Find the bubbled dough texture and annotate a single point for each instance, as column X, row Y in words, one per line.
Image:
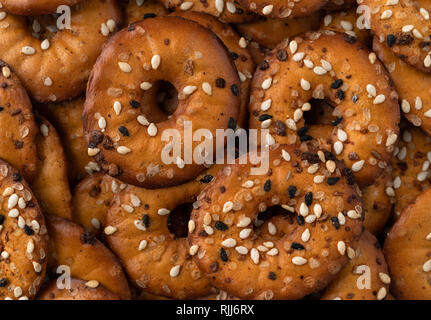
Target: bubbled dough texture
column 51, row 185
column 356, row 72
column 204, row 111
column 18, row 125
column 78, row 291
column 14, row 239
column 239, row 274
column 150, row 268
column 348, row 284
column 86, row 261
column 404, row 13
column 406, row 250
column 71, row 54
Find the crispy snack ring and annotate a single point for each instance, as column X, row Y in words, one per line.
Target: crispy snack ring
column 415, row 100
column 56, row 66
column 66, row 117
column 120, row 133
column 368, row 129
column 365, row 277
column 278, row 9
column 227, row 11
column 150, row 241
column 51, row 185
column 86, row 257
column 19, row 130
column 411, row 167
column 79, row 290
column 408, row 251
column 284, row 266
column 23, row 238
column 270, row 32
column 238, row 50
column 346, row 22
column 34, row 7
column 404, row 27
column 92, row 198
column 136, row 10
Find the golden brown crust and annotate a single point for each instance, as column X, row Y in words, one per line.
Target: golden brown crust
column 411, row 167
column 51, row 185
column 414, row 99
column 279, row 9
column 365, row 277
column 270, row 32
column 60, row 71
column 229, row 11
column 154, row 258
column 136, row 10
column 92, row 198
column 362, row 92
column 34, row 7
column 404, row 28
column 87, row 258
column 23, row 237
column 339, row 4
column 121, row 154
column 66, row 117
column 408, row 251
column 299, row 254
column 78, row 291
column 19, row 130
column 242, row 58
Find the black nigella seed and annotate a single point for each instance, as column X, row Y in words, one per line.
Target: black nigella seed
column 281, row 55
column 300, row 220
column 220, row 83
column 221, row 226
column 291, row 191
column 333, row 180
column 336, row 121
column 305, row 138
column 124, row 131
column 28, row 231
column 335, row 222
column 390, row 40
column 264, row 65
column 355, row 98
column 349, row 175
column 1, row 219
column 146, row 220
column 16, row 177
column 297, row 246
column 222, row 189
column 340, row 94
column 231, row 124
column 308, row 198
column 302, row 131
column 272, row 276
column 223, row 254
column 264, row 117
column 235, row 90
column 234, row 55
column 349, row 39
column 1, row 108
column 207, row 178
column 134, row 104
column 149, row 15
column 267, row 185
column 337, row 84
column 3, row 282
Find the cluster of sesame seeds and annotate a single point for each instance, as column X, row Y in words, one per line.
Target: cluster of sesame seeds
column 219, row 6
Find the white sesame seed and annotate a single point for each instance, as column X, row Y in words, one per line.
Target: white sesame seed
column 206, row 87
column 305, row 236
column 117, row 107
column 379, row 99
column 37, row 267
column 427, row 61
column 241, row 250
column 326, row 65
column 327, row 20
column 28, row 50
column 228, row 206
column 244, row 233
column 17, row 292
column 47, row 82
column 152, row 130
column 390, row 191
column 371, row 90
column 155, row 61
column 267, row 9
column 230, row 7
column 188, row 90
column 405, row 106
column 266, row 83
column 352, row 214
column 317, row 209
column 125, row 67
column 427, row 266
column 422, row 176
column 266, row 105
column 318, row 179
column 272, row 252
column 341, row 247
column 319, row 70
column 109, row 230
column 392, row 138
column 271, row 228
column 12, row 201
column 298, row 56
column 179, row 162
column 45, row 44
column 243, row 222
column 407, row 28
column 95, row 223
column 303, row 209
column 175, row 271
column 219, row 4
column 104, row 29
column 242, row 42
column 229, row 243
column 254, row 255
column 142, row 120
column 428, row 113
column 308, row 63
column 102, row 123
column 293, row 46
column 338, row 147
column 297, row 115
column 123, row 150
column 341, row 135
column 305, row 85
column 6, row 72
column 2, row 15
column 111, row 24
column 384, row 278
column 266, row 123
column 146, row 86
column 194, row 249
column 357, row 166
column 381, row 294
column 163, row 212
column 285, row 155
column 386, row 14
column 341, row 218
column 186, row 5
column 299, row 261
column 424, row 13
